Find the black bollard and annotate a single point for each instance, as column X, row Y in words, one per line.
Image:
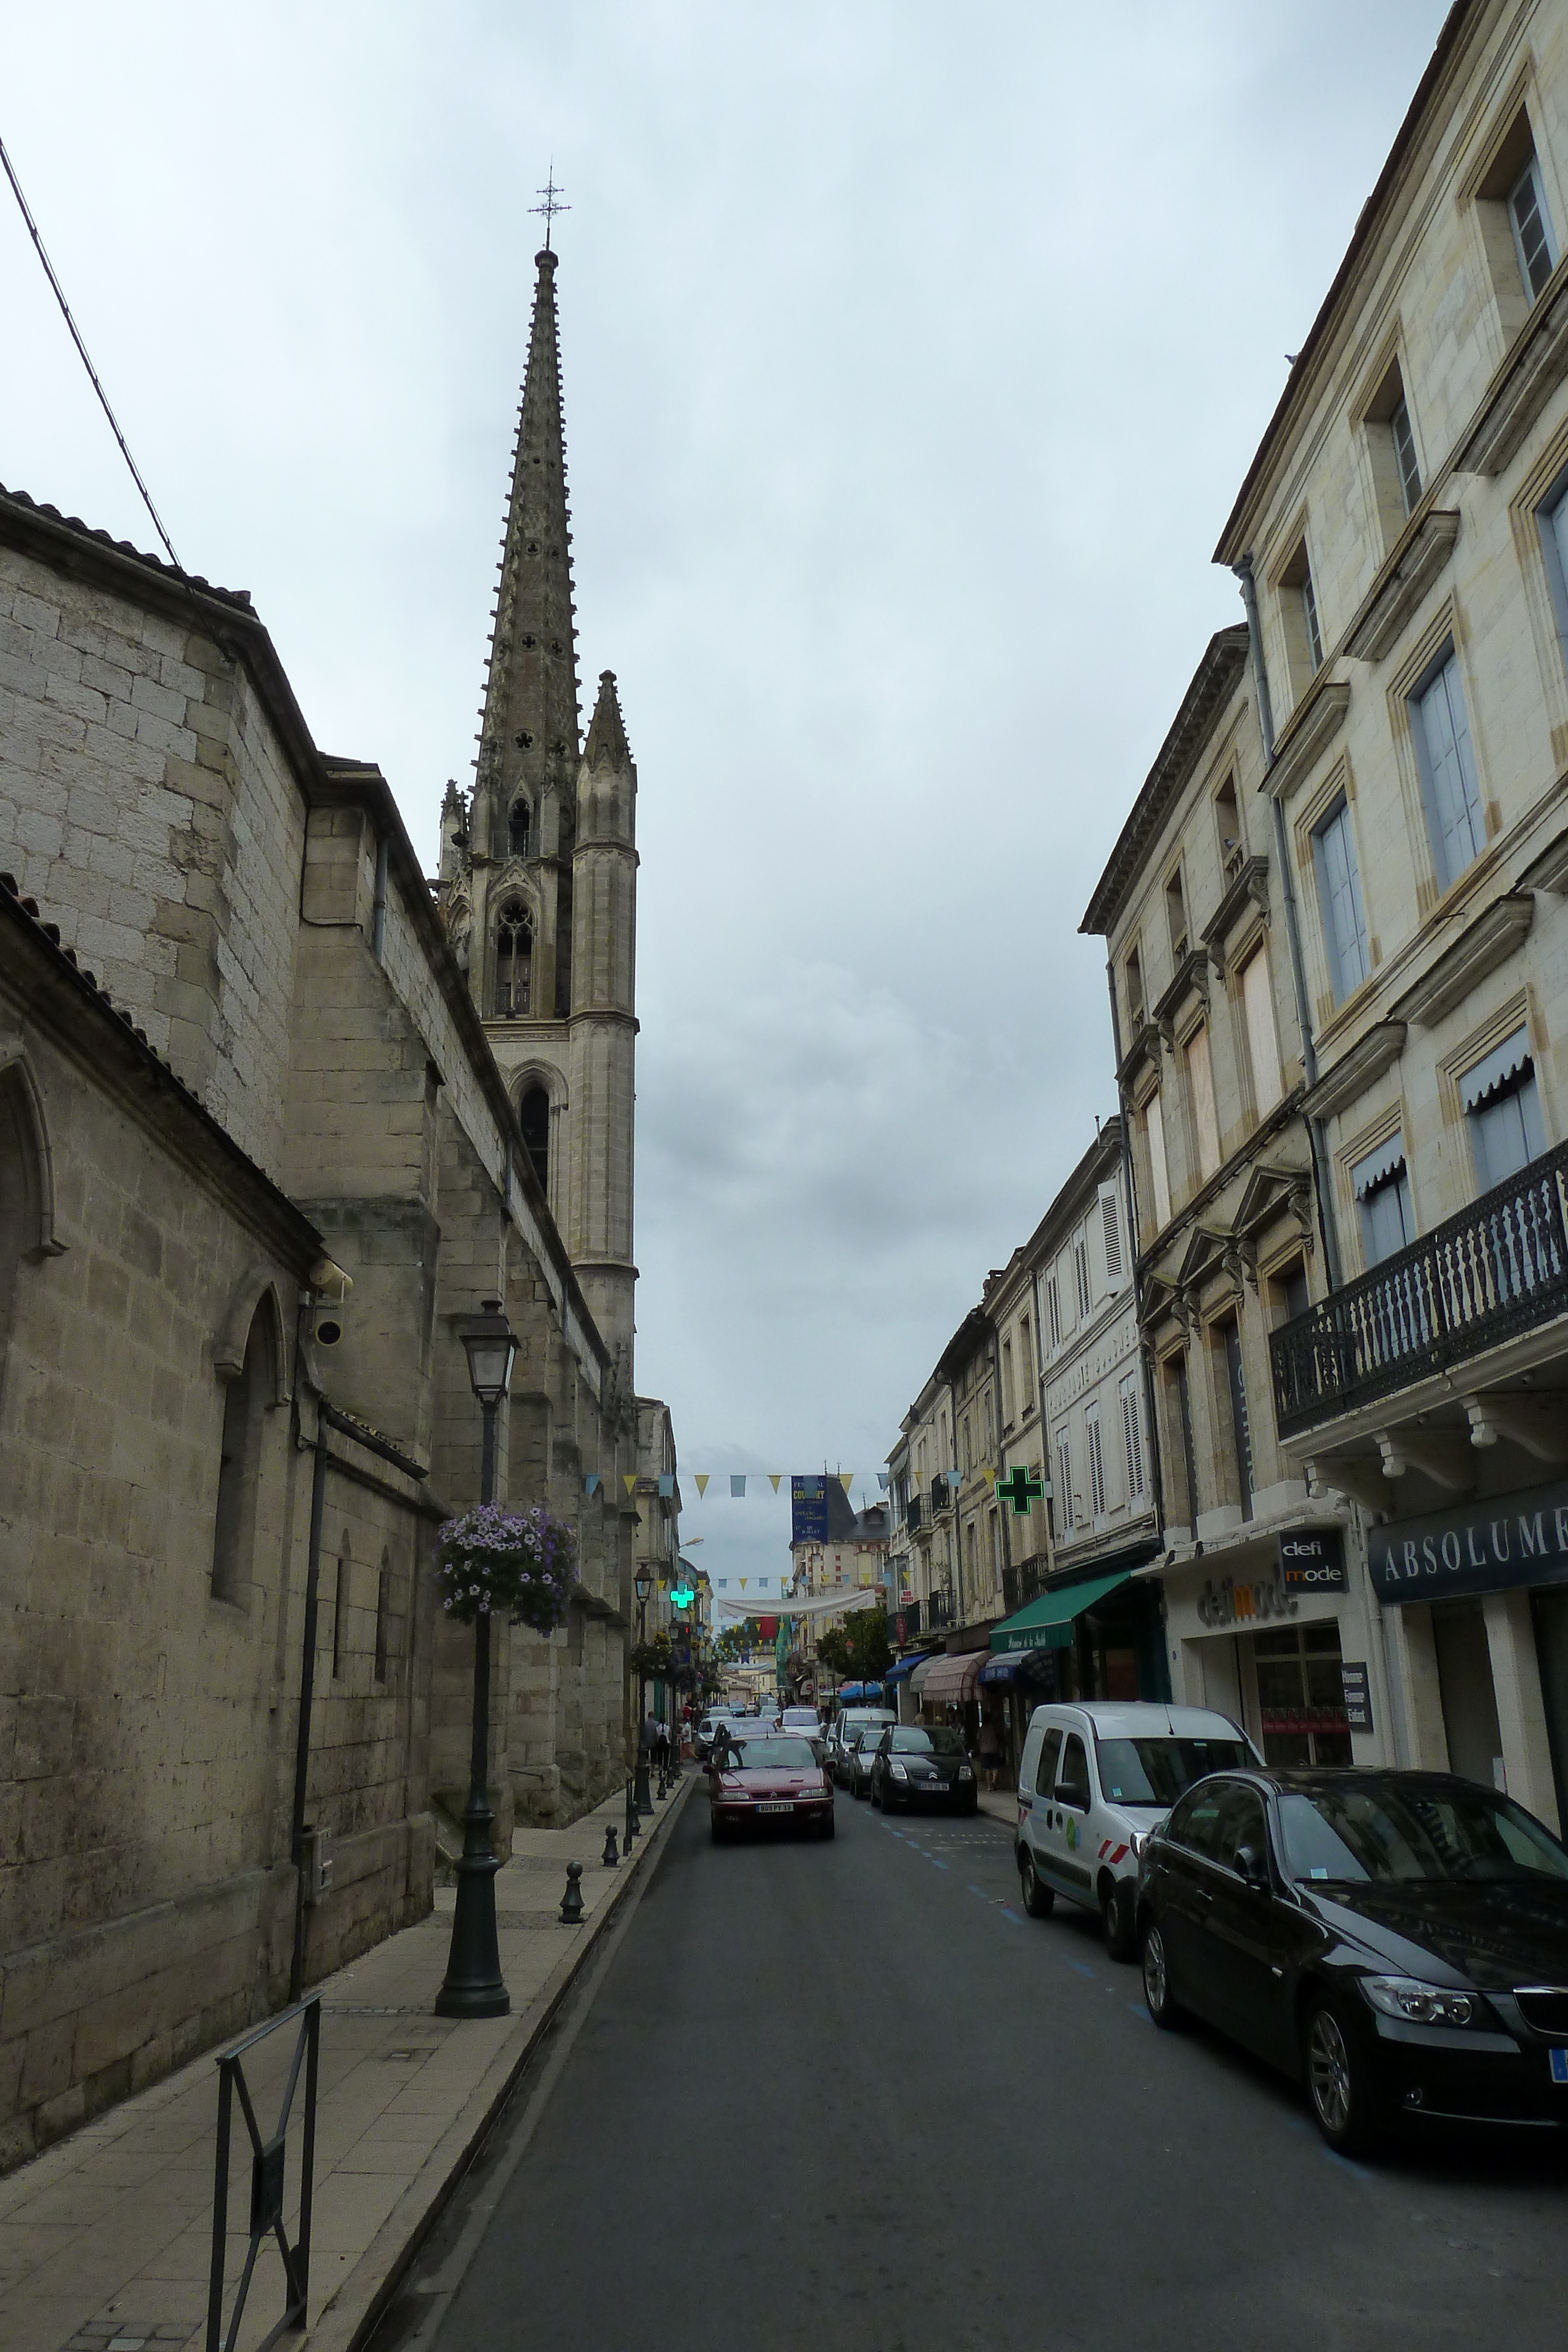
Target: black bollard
column 636, row 1826
column 571, row 1901
column 610, row 1856
column 663, row 1792
column 631, row 1824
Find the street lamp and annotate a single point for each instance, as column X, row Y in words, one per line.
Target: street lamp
column 643, row 1584
column 474, row 1987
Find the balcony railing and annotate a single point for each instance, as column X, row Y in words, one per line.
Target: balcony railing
column 1496, row 1270
column 1021, row 1585
column 912, row 1514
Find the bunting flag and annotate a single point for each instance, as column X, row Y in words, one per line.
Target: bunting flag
column 775, row 1479
column 918, row 1480
column 743, row 1584
column 881, row 1480
column 846, row 1479
column 629, row 1479
column 738, row 1484
column 666, row 1482
column 702, row 1483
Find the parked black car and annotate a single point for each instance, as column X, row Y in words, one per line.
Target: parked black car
column 1398, row 1941
column 914, row 1766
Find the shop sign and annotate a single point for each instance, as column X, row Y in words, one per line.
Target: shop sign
column 1311, row 1560
column 902, row 1633
column 1478, row 1547
column 1229, row 1603
column 1357, row 1688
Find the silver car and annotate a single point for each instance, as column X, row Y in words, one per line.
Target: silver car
column 861, row 1757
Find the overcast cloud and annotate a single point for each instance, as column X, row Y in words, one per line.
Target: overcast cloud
column 912, row 358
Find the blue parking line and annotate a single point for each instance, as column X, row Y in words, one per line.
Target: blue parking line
column 981, row 1891
column 1139, row 2009
column 935, row 1864
column 1084, row 1969
column 1016, row 1916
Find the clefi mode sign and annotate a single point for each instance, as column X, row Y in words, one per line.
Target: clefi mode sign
column 1480, row 1547
column 1311, row 1560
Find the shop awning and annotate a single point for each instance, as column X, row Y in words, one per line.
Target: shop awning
column 1047, row 1623
column 952, row 1680
column 1013, row 1666
column 919, row 1671
column 901, row 1671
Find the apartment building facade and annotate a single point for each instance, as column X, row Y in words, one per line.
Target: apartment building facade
column 1401, row 538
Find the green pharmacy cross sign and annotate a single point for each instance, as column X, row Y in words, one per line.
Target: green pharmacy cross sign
column 1020, row 1489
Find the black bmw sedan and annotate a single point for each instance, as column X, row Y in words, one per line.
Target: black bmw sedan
column 1398, row 1941
column 914, row 1766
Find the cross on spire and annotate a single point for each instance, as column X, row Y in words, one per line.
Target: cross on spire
column 551, row 205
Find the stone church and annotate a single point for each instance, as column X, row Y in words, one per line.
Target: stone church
column 277, row 1113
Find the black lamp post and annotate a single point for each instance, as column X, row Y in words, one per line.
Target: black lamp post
column 474, row 1987
column 643, row 1584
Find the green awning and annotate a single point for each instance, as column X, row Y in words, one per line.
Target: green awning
column 1047, row 1623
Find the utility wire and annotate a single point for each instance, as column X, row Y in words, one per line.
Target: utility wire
column 92, row 372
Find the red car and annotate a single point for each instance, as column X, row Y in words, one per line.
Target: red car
column 764, row 1782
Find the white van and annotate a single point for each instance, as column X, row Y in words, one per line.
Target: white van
column 1094, row 1779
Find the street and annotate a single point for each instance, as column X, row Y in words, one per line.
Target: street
column 847, row 2095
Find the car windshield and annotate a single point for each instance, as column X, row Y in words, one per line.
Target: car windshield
column 1395, row 1836
column 776, row 1755
column 871, row 1736
column 1157, row 1771
column 915, row 1741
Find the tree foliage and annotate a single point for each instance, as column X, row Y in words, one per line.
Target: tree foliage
column 858, row 1649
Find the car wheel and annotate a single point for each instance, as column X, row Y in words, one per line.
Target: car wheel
column 1163, row 2009
column 1038, row 1900
column 1119, row 1924
column 1338, row 2076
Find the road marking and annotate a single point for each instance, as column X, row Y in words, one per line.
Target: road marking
column 1139, row 2009
column 1084, row 1969
column 981, row 1891
column 931, row 1858
column 1016, row 1916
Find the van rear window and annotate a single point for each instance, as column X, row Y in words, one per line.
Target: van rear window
column 1157, row 1771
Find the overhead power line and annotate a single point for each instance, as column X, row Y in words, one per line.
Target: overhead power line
column 92, row 372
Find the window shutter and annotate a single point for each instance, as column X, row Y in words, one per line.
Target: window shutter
column 1155, row 1125
column 1131, row 1437
column 1111, row 1220
column 1257, row 1000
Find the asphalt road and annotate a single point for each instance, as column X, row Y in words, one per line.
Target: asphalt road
column 848, row 2095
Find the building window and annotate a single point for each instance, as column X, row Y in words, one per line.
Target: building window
column 383, row 1614
column 1552, row 517
column 1502, row 1111
column 518, row 827
column 533, row 1117
column 1381, row 1184
column 1240, row 1422
column 1026, row 1365
column 1081, row 1272
column 1301, row 1696
column 1228, row 820
column 1262, row 1045
column 1096, row 1461
column 1299, row 612
column 1448, row 771
column 1133, row 977
column 513, row 959
column 1201, row 1081
column 1532, row 225
column 1339, row 901
column 1065, row 1475
column 1007, row 1383
column 1053, row 1309
column 1159, row 1169
column 1175, row 916
column 1132, row 1436
column 1110, row 1228
column 968, row 1459
column 239, row 1462
column 1291, row 1295
column 1183, row 1388
column 989, row 1409
column 1406, row 464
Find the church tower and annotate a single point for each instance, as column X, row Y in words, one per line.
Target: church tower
column 538, row 877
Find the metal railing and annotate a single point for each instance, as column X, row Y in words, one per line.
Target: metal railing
column 266, row 2179
column 1021, row 1585
column 1496, row 1270
column 912, row 1513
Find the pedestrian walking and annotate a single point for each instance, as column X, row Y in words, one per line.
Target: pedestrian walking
column 991, row 1750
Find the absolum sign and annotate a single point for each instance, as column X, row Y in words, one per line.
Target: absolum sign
column 1488, row 1545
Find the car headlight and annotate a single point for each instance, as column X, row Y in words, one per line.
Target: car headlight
column 965, row 1773
column 1422, row 2004
column 899, row 1771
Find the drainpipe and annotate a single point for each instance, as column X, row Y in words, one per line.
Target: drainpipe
column 1126, row 1124
column 1315, row 1143
column 307, row 1691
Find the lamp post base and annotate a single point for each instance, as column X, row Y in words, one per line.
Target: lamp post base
column 474, row 1987
column 645, row 1794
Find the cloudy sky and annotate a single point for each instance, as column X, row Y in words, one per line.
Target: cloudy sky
column 912, row 357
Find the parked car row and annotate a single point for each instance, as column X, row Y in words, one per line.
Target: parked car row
column 1397, row 1942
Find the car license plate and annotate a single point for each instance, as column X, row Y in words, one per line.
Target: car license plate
column 1559, row 2058
column 785, row 1807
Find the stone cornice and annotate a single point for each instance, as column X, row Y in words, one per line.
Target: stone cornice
column 1311, row 728
column 1191, row 980
column 1250, row 889
column 1415, row 563
column 1522, row 385
column 1490, row 940
column 1375, row 1051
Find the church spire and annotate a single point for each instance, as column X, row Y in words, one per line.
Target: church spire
column 530, row 730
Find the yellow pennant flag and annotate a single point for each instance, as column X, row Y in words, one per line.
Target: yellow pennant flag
column 846, row 1479
column 989, row 1475
column 629, row 1479
column 775, row 1479
column 918, row 1476
column 703, row 1478
column 743, row 1584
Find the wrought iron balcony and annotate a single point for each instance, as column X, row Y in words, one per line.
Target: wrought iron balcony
column 1498, row 1269
column 912, row 1514
column 1021, row 1585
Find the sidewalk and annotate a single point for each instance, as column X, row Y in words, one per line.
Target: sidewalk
column 1001, row 1804
column 106, row 2241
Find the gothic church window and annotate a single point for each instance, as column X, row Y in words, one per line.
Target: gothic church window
column 513, row 959
column 517, row 825
column 533, row 1117
column 18, row 1190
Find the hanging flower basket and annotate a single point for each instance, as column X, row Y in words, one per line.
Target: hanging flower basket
column 517, row 1564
